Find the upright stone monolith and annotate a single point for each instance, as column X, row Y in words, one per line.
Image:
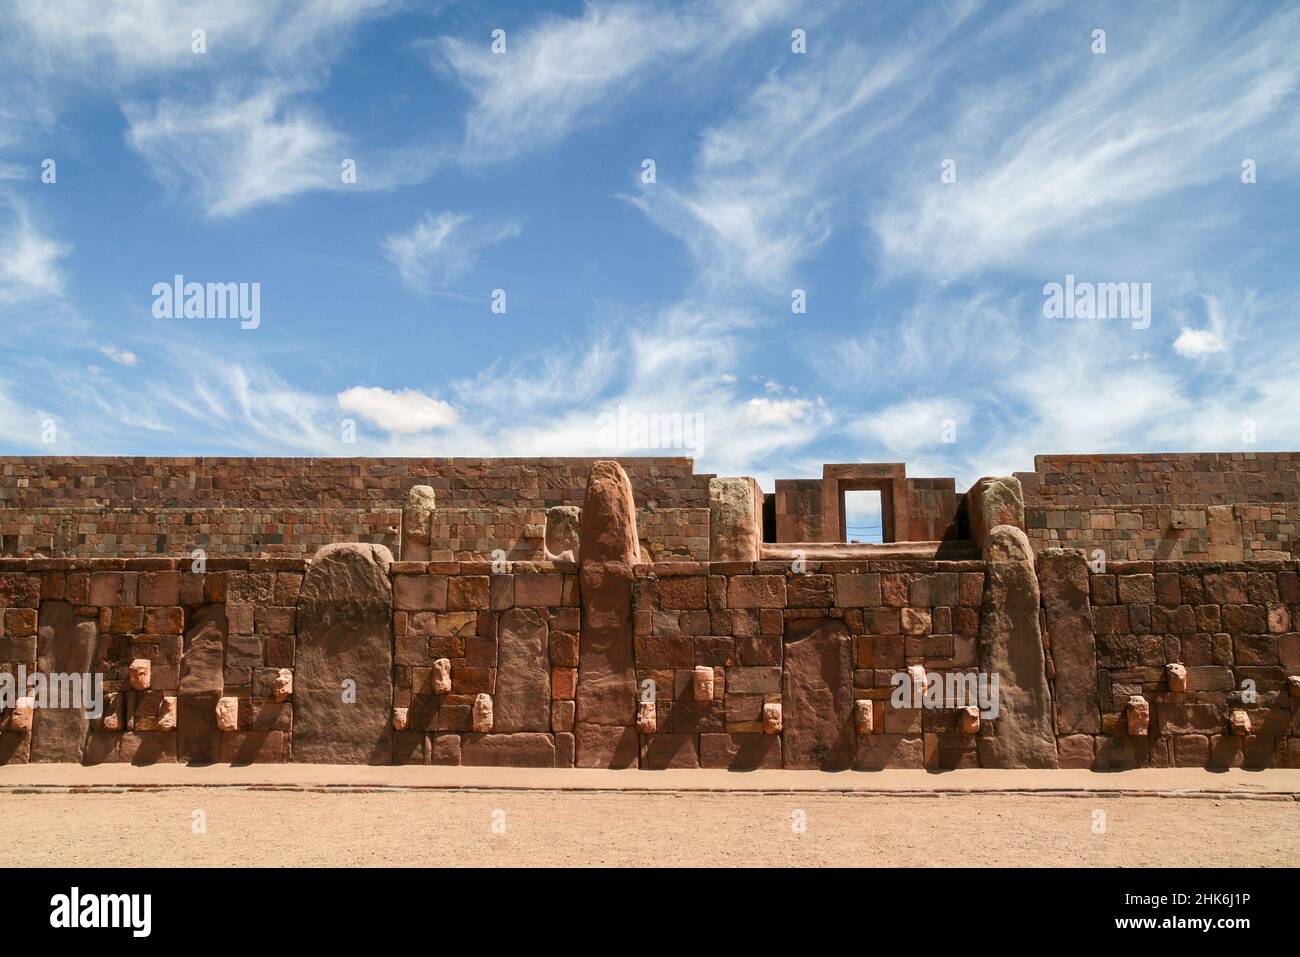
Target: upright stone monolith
column 1011, row 647
column 67, row 647
column 343, row 666
column 608, row 550
column 1063, row 581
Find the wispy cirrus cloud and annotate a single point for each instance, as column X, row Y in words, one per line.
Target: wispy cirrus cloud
column 442, row 247
column 563, row 73
column 30, row 260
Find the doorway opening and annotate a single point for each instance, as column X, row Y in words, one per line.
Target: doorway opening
column 863, row 516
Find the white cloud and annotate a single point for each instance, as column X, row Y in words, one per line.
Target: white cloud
column 907, row 427
column 440, row 248
column 404, row 412
column 29, row 259
column 564, row 72
column 120, row 356
column 237, row 154
column 1193, row 343
column 1045, row 174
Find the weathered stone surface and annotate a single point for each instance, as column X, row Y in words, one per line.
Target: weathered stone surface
column 67, row 647
column 417, row 516
column 199, row 738
column 609, row 549
column 1063, row 580
column 735, row 520
column 228, row 714
column 523, row 695
column 646, row 717
column 864, row 713
column 662, row 751
column 483, row 720
column 1239, row 720
column 740, row 752
column 968, row 720
column 817, row 695
column 1176, row 675
column 702, row 683
column 442, row 676
column 1011, row 646
column 563, row 531
column 606, row 746
column 345, row 609
column 520, row 750
column 772, row 718
column 994, row 501
column 140, row 673
column 1137, row 715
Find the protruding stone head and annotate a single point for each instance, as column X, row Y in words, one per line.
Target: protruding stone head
column 563, row 531
column 421, row 497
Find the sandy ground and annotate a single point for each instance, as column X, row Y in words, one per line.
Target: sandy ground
column 499, row 828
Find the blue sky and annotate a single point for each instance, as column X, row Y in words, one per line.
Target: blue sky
column 924, row 338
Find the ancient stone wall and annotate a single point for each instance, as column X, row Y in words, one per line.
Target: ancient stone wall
column 228, row 482
column 736, row 665
column 1197, row 478
column 1170, row 533
column 1211, row 651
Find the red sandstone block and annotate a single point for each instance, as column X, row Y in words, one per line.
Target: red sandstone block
column 420, row 592
column 759, row 649
column 255, row 747
column 1136, row 589
column 536, row 591
column 274, row 620
column 19, row 622
column 970, row 588
column 664, row 651
column 164, row 621
column 756, row 591
column 287, row 585
column 109, row 589
column 683, row 593
column 253, row 588
column 159, row 588
column 1226, row 588
column 467, row 681
column 563, row 648
column 466, row 593
column 564, row 683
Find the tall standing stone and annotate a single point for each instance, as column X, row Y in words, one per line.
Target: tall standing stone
column 994, row 501
column 66, row 647
column 343, row 668
column 417, row 516
column 523, row 688
column 1011, row 647
column 201, row 686
column 735, row 520
column 608, row 550
column 817, row 707
column 1063, row 581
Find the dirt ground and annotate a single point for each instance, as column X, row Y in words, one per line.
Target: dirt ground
column 506, row 828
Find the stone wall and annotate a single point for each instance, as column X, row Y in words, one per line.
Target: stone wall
column 1192, row 641
column 1170, row 533
column 742, row 664
column 228, row 482
column 1196, row 478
